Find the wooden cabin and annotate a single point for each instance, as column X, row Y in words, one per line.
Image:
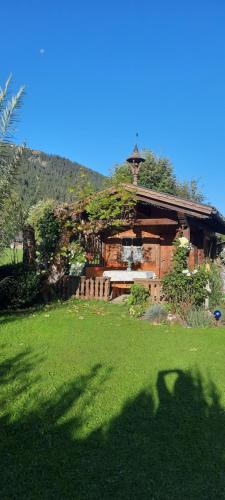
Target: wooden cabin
column 160, row 218
column 142, row 249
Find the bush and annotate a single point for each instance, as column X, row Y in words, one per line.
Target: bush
column 27, row 289
column 216, row 286
column 11, row 270
column 198, row 318
column 155, row 314
column 183, row 287
column 21, row 287
column 137, row 299
column 49, row 233
column 7, row 289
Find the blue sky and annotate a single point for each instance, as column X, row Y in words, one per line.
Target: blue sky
column 98, row 71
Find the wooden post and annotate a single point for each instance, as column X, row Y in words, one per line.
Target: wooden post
column 87, row 291
column 101, row 288
column 29, row 246
column 158, row 260
column 82, row 286
column 107, row 289
column 92, row 288
column 97, row 287
column 187, row 233
column 78, row 288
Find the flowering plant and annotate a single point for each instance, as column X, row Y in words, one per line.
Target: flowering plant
column 189, row 273
column 183, row 242
column 184, row 287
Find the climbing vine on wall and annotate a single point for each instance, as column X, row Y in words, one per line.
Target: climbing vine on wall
column 111, row 207
column 82, row 222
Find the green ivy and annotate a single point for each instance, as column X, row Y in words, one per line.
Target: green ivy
column 49, row 233
column 111, row 207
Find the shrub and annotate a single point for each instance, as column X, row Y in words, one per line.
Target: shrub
column 49, row 232
column 216, row 285
column 183, row 287
column 7, row 289
column 20, row 287
column 37, row 212
column 198, row 318
column 27, row 289
column 11, row 270
column 137, row 299
column 155, row 314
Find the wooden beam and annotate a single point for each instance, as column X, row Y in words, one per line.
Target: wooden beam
column 172, row 200
column 164, row 221
column 183, row 222
column 173, row 208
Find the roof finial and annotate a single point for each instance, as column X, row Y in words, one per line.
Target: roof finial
column 135, row 159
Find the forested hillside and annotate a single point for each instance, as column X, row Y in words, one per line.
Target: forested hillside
column 44, row 176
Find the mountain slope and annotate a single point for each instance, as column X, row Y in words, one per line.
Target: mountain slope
column 43, row 176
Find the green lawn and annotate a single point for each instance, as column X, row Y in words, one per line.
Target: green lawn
column 10, row 256
column 95, row 405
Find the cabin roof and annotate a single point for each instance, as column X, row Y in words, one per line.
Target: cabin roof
column 189, row 208
column 197, row 213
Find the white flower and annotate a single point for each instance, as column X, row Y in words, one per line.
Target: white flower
column 195, row 271
column 183, row 241
column 186, row 272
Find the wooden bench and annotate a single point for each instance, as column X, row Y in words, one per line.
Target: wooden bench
column 117, row 288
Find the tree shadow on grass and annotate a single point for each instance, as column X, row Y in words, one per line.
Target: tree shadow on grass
column 11, row 315
column 172, row 449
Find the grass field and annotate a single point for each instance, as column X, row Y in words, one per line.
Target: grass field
column 10, row 256
column 95, row 405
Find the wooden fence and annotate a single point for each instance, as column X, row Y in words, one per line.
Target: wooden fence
column 154, row 287
column 83, row 288
column 98, row 288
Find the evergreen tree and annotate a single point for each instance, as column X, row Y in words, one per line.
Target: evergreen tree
column 158, row 174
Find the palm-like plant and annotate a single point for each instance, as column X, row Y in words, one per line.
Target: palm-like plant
column 10, row 155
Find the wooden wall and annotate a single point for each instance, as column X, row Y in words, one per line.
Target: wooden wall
column 157, row 251
column 158, row 237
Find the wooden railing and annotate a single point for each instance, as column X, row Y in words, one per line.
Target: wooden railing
column 83, row 288
column 154, row 287
column 98, row 288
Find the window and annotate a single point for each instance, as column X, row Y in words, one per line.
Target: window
column 135, row 242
